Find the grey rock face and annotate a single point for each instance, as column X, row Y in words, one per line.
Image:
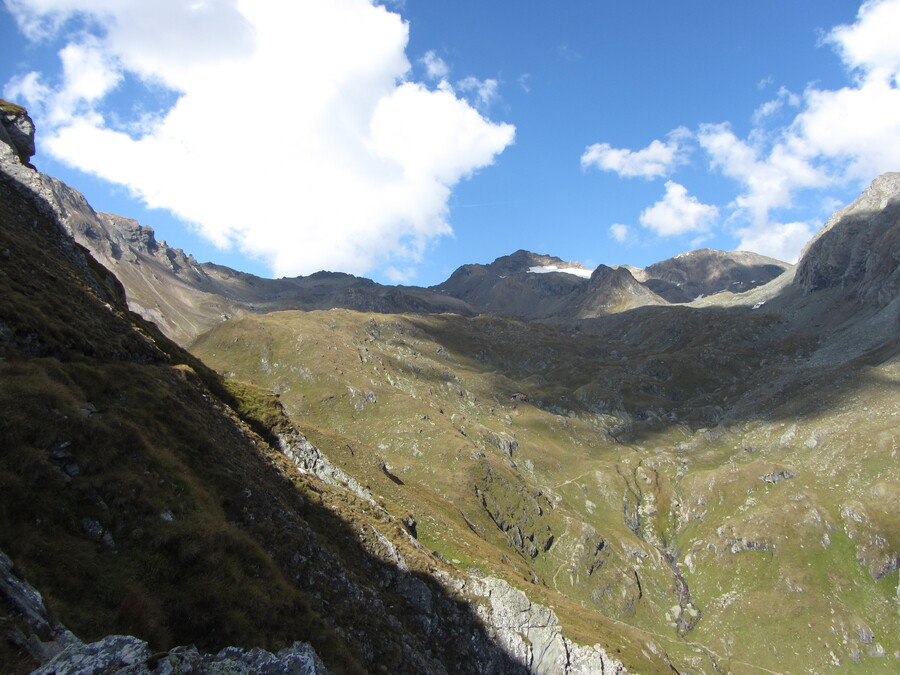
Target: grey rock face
column 112, row 654
column 126, row 655
column 309, row 459
column 22, row 596
column 858, row 249
column 46, row 638
column 17, row 130
column 706, row 272
column 614, row 290
column 532, row 635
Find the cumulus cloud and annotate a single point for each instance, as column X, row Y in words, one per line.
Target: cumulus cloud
column 657, row 159
column 870, row 45
column 768, row 109
column 782, row 241
column 296, row 132
column 678, row 213
column 838, row 136
column 769, row 181
column 484, row 92
column 619, row 232
column 435, row 67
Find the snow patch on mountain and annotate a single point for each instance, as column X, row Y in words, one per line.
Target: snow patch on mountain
column 577, row 271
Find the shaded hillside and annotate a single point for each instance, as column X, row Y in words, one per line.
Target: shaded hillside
column 610, row 291
column 858, row 249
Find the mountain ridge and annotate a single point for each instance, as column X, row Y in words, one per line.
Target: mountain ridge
column 165, row 283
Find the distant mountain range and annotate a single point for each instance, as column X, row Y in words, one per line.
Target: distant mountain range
column 186, row 298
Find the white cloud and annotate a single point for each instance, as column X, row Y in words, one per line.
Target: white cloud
column 678, row 213
column 484, row 91
column 435, row 67
column 839, row 136
column 770, row 108
column 837, row 139
column 657, row 159
column 524, row 82
column 296, row 133
column 398, row 276
column 782, row 241
column 854, row 131
column 769, row 181
column 870, row 46
column 619, row 232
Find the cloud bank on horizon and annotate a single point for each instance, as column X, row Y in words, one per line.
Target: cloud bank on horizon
column 317, row 150
column 835, row 137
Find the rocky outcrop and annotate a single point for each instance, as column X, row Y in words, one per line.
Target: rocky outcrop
column 29, row 625
column 612, row 290
column 872, row 547
column 308, row 459
column 506, row 286
column 531, row 633
column 123, row 654
column 61, row 653
column 517, row 512
column 17, row 131
column 858, row 249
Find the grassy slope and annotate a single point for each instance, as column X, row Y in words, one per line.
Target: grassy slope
column 429, row 398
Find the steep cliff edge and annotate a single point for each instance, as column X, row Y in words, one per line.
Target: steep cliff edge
column 858, row 249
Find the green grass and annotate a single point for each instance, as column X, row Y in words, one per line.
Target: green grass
column 147, row 451
column 9, row 108
column 443, row 386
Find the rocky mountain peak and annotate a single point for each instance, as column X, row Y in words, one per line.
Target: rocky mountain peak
column 17, row 130
column 707, row 272
column 858, row 249
column 522, row 261
column 614, row 289
column 612, row 275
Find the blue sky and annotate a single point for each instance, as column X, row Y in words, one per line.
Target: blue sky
column 403, row 140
